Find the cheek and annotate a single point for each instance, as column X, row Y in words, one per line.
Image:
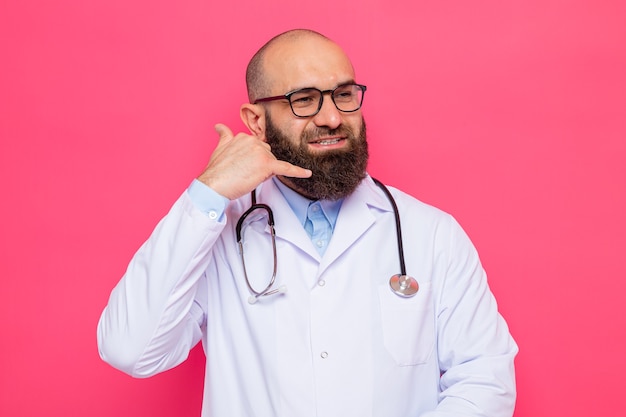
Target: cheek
column 355, row 122
column 296, row 128
column 290, row 127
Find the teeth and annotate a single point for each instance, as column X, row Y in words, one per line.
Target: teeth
column 328, row 142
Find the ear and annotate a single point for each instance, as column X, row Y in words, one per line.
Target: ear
column 253, row 116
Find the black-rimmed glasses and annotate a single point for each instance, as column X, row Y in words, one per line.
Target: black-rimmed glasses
column 307, row 102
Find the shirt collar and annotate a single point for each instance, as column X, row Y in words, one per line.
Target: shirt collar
column 300, row 204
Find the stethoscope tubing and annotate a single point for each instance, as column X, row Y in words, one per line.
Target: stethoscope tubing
column 238, row 231
column 396, row 213
column 401, row 284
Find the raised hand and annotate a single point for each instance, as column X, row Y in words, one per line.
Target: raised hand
column 241, row 162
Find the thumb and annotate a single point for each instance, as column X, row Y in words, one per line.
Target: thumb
column 224, row 131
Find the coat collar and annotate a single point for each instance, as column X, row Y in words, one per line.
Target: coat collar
column 355, row 218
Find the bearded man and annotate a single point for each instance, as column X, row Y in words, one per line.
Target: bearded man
column 278, row 257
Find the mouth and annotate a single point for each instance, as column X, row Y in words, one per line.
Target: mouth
column 327, row 141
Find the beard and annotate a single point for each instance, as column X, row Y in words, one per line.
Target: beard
column 336, row 173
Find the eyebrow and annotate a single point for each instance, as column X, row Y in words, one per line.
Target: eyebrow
column 350, row 81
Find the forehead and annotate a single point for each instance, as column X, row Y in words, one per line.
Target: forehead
column 306, row 62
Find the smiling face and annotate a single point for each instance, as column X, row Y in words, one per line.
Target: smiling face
column 331, row 143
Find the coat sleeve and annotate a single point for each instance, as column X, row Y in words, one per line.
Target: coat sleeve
column 476, row 351
column 154, row 314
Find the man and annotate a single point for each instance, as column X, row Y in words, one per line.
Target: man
column 329, row 337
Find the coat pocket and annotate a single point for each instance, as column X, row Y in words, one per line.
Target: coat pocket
column 408, row 325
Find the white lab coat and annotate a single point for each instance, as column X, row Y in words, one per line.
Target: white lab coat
column 339, row 342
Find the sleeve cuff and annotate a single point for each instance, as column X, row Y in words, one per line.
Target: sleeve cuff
column 207, row 200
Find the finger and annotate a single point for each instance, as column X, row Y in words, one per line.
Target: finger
column 290, row 170
column 224, row 131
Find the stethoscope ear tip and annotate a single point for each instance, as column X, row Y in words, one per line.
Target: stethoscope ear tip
column 252, row 299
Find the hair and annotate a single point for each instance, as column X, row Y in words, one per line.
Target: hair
column 256, row 79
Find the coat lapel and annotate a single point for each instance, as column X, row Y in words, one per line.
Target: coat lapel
column 355, row 218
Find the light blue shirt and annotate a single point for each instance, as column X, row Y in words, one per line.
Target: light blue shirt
column 317, row 217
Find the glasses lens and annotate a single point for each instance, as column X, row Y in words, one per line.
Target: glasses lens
column 305, row 102
column 308, row 101
column 348, row 97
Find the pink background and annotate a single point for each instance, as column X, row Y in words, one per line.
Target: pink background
column 508, row 114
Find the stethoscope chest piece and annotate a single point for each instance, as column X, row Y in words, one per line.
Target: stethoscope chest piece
column 403, row 285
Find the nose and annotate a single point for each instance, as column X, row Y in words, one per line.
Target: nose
column 328, row 116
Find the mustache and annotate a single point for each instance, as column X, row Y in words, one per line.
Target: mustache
column 322, row 131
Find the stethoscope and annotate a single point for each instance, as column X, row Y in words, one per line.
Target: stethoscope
column 401, row 284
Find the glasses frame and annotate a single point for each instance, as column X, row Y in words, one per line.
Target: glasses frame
column 287, row 97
